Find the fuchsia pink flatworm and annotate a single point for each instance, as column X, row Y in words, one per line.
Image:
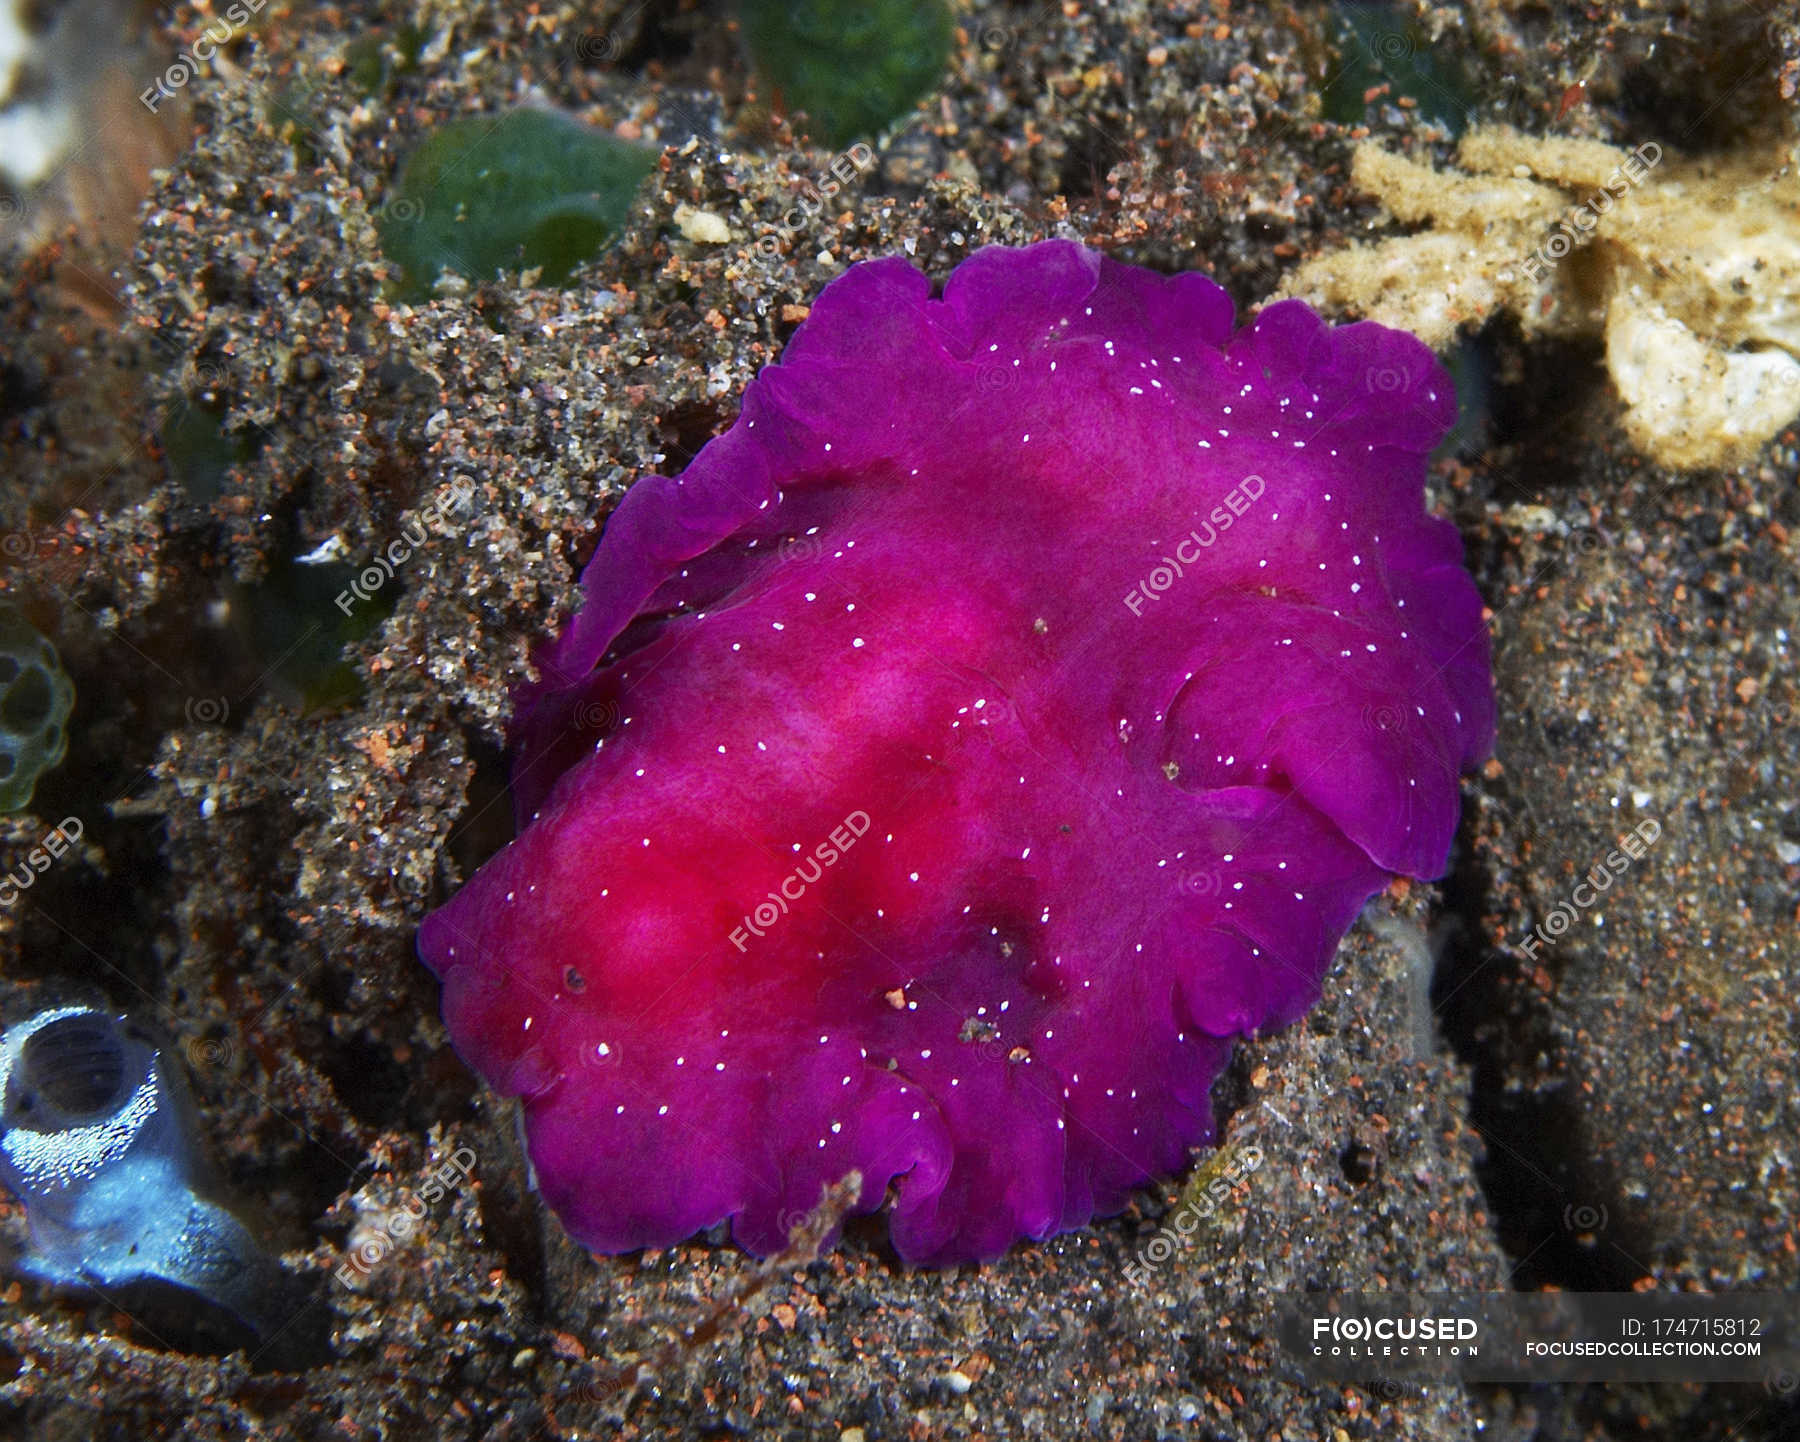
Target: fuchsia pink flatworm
column 1014, row 706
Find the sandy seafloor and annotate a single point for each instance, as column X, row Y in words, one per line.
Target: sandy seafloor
column 1624, row 1110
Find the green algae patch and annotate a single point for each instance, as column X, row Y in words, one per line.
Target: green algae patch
column 200, row 452
column 291, row 629
column 1382, row 53
column 525, row 190
column 853, row 69
column 36, row 696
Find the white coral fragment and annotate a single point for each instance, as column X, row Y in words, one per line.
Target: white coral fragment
column 1688, row 270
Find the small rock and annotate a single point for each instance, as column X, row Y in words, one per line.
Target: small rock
column 702, row 226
